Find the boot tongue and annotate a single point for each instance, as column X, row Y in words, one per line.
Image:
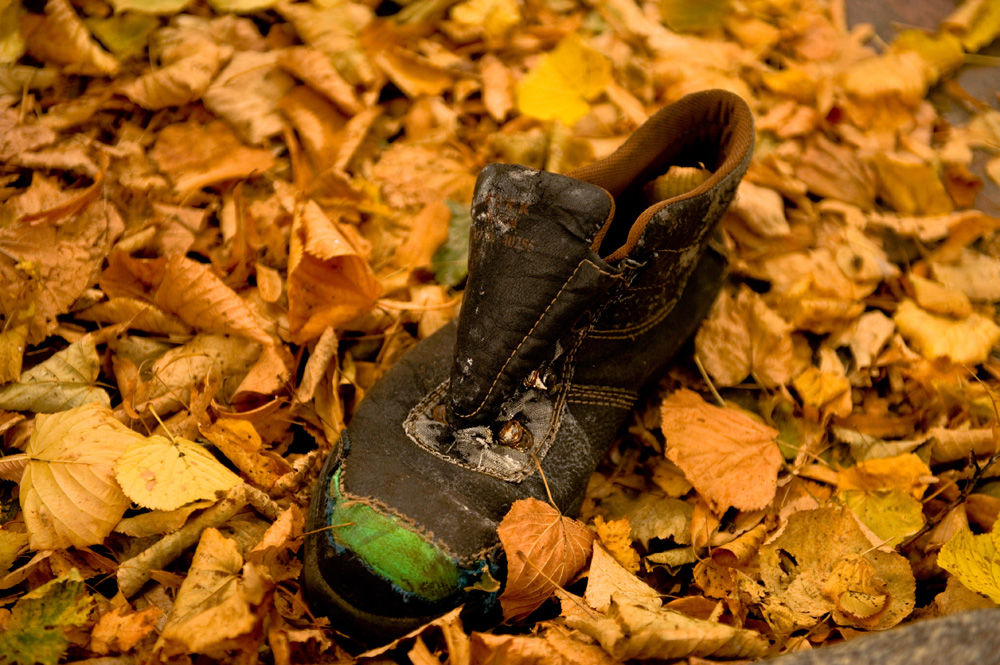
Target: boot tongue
column 532, row 274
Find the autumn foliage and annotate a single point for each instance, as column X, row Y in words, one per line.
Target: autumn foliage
column 221, row 221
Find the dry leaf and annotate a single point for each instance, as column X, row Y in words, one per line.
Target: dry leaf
column 731, row 460
column 69, row 496
column 195, row 155
column 329, row 282
column 607, row 578
column 246, row 94
column 165, row 474
column 214, row 603
column 240, row 442
column 544, row 551
column 64, row 381
column 904, row 472
column 742, row 336
column 616, row 536
column 564, row 82
column 968, row 341
column 119, row 630
column 61, row 38
column 638, row 631
column 181, row 81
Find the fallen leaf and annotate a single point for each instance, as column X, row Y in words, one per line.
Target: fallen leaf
column 891, row 514
column 120, row 630
column 159, row 522
column 214, row 603
column 903, row 472
column 180, row 82
column 968, row 341
column 69, row 496
column 564, row 82
column 974, row 561
column 61, row 38
column 42, row 620
column 329, row 282
column 795, row 568
column 66, row 380
column 239, row 441
column 165, row 474
column 662, row 518
column 974, row 274
column 246, row 94
column 910, row 185
column 608, row 578
column 638, row 631
column 731, row 460
column 492, row 18
column 741, row 337
column 616, row 536
column 544, row 551
column 318, row 72
column 196, row 155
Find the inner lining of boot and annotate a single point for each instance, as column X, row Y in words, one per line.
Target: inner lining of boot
column 715, row 126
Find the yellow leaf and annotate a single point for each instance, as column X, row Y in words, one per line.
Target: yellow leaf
column 164, row 475
column 796, row 566
column 942, row 51
column 904, row 472
column 239, row 441
column 68, row 491
column 975, row 561
column 494, row 17
column 693, row 15
column 607, row 578
column 213, row 604
column 939, row 299
column 910, row 185
column 892, row 515
column 731, row 459
column 11, row 41
column 544, row 549
column 64, row 381
column 968, row 341
column 616, row 536
column 561, row 86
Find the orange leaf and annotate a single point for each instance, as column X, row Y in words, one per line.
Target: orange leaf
column 329, row 281
column 544, row 551
column 731, row 459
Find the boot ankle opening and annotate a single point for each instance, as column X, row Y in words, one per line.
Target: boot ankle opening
column 711, row 130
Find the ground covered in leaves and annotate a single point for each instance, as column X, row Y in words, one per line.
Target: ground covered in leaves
column 222, row 220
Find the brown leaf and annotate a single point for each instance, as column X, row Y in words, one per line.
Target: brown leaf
column 120, row 630
column 61, row 38
column 607, row 579
column 544, row 551
column 315, row 70
column 195, row 155
column 731, row 459
column 329, row 282
column 180, row 82
column 246, row 94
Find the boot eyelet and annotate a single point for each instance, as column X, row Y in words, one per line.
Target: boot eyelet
column 514, row 435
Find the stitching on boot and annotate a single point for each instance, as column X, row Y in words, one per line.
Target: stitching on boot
column 528, row 335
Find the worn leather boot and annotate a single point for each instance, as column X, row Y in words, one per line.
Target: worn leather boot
column 578, row 293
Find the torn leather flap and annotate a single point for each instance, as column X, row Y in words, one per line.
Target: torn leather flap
column 533, row 275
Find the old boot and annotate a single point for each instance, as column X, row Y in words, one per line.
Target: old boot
column 578, row 293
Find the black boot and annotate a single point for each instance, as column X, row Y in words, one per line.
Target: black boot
column 578, row 293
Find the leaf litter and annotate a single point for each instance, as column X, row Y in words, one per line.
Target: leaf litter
column 233, row 217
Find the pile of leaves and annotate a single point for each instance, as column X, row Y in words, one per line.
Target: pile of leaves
column 222, row 220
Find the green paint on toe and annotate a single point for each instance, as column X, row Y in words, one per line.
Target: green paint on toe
column 390, row 549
